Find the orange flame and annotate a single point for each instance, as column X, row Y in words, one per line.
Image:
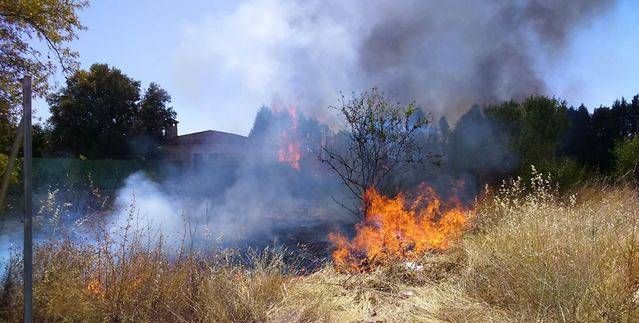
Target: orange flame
column 289, row 151
column 95, row 287
column 395, row 230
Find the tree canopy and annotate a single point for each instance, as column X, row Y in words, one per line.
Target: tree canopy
column 54, row 23
column 99, row 114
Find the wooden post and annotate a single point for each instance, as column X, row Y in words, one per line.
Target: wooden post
column 28, row 207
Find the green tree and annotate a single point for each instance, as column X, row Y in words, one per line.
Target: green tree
column 96, row 114
column 578, row 140
column 543, row 123
column 99, row 114
column 627, row 157
column 154, row 116
column 533, row 128
column 8, row 125
column 54, row 23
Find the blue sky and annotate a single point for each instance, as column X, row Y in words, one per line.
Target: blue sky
column 216, row 58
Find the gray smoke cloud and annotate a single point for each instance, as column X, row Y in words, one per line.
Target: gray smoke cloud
column 446, row 55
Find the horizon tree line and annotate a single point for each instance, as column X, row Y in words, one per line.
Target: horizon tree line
column 101, row 113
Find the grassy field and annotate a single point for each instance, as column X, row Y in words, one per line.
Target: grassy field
column 529, row 254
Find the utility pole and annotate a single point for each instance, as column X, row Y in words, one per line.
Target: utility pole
column 28, row 207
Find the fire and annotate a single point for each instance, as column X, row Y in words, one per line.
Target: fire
column 95, row 287
column 289, row 151
column 395, row 229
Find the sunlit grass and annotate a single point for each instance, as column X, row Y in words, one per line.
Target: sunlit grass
column 531, row 254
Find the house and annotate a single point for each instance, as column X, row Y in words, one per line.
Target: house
column 196, row 149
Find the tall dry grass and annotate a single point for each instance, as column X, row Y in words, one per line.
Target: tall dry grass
column 532, row 254
column 546, row 257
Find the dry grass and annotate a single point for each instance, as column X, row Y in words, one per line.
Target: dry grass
column 531, row 255
column 546, row 257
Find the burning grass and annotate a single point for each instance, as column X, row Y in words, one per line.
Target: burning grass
column 529, row 254
column 397, row 230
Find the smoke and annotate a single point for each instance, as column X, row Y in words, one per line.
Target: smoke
column 253, row 202
column 446, row 55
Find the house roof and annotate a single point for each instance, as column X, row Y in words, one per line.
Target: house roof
column 208, row 137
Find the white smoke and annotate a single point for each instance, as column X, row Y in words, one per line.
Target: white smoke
column 446, row 55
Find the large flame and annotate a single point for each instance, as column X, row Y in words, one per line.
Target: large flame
column 397, row 230
column 289, row 151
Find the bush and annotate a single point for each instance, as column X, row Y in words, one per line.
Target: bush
column 15, row 174
column 82, row 174
column 566, row 173
column 627, row 158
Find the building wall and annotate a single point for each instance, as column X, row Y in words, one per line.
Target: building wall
column 191, row 155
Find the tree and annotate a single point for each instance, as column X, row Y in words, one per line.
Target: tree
column 532, row 128
column 578, row 138
column 444, row 130
column 627, row 157
column 378, row 138
column 263, row 120
column 481, row 147
column 634, row 114
column 8, row 126
column 543, row 123
column 54, row 22
column 99, row 114
column 154, row 117
column 605, row 135
column 95, row 114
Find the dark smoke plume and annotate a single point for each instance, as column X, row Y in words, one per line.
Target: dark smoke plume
column 447, row 55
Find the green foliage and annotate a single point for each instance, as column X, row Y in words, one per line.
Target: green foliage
column 578, row 139
column 533, row 127
column 15, row 174
column 82, row 174
column 94, row 115
column 99, row 115
column 7, row 128
column 154, row 114
column 54, row 23
column 566, row 172
column 609, row 125
column 627, row 157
